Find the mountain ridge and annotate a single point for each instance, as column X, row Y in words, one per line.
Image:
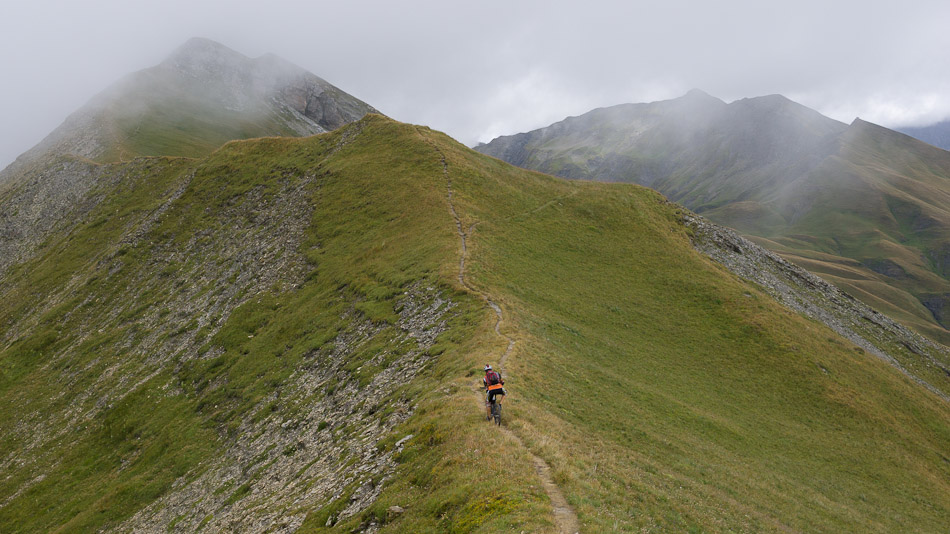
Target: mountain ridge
column 937, row 134
column 203, row 95
column 276, row 336
column 814, row 189
column 287, row 334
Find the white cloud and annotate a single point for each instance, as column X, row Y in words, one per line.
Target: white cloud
column 895, row 109
column 530, row 101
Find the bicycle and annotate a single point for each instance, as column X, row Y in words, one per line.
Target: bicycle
column 496, row 411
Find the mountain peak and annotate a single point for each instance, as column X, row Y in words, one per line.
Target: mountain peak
column 197, row 43
column 698, row 93
column 201, row 96
column 200, row 54
column 698, row 96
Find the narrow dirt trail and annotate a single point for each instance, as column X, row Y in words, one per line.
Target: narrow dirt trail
column 564, row 516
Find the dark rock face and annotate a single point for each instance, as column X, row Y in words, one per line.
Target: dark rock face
column 941, row 260
column 938, row 305
column 323, row 109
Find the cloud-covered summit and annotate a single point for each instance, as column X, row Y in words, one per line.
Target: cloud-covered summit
column 203, row 95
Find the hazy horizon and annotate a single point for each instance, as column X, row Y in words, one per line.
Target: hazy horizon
column 496, row 68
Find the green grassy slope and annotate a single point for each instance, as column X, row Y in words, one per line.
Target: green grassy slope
column 664, row 393
column 879, row 209
column 833, row 198
column 669, row 396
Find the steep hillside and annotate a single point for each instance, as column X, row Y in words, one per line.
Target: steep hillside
column 287, row 335
column 220, row 344
column 201, row 97
column 864, row 206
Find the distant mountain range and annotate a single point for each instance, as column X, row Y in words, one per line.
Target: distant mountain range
column 937, row 135
column 866, row 207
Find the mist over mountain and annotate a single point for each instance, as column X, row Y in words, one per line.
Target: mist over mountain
column 203, row 95
column 864, row 206
column 937, row 135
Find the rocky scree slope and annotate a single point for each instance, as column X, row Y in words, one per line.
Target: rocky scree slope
column 196, row 350
column 863, row 206
column 46, row 197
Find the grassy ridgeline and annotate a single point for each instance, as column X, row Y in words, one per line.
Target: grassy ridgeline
column 102, row 322
column 663, row 392
column 667, row 393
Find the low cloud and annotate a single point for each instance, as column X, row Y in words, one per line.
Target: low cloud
column 478, row 70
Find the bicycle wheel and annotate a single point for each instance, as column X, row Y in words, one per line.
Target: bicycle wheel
column 496, row 412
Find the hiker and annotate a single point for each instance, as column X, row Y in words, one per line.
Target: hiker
column 493, row 385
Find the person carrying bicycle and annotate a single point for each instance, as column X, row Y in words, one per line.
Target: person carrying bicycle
column 493, row 385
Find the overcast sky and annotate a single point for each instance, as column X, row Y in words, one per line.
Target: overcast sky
column 478, row 69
